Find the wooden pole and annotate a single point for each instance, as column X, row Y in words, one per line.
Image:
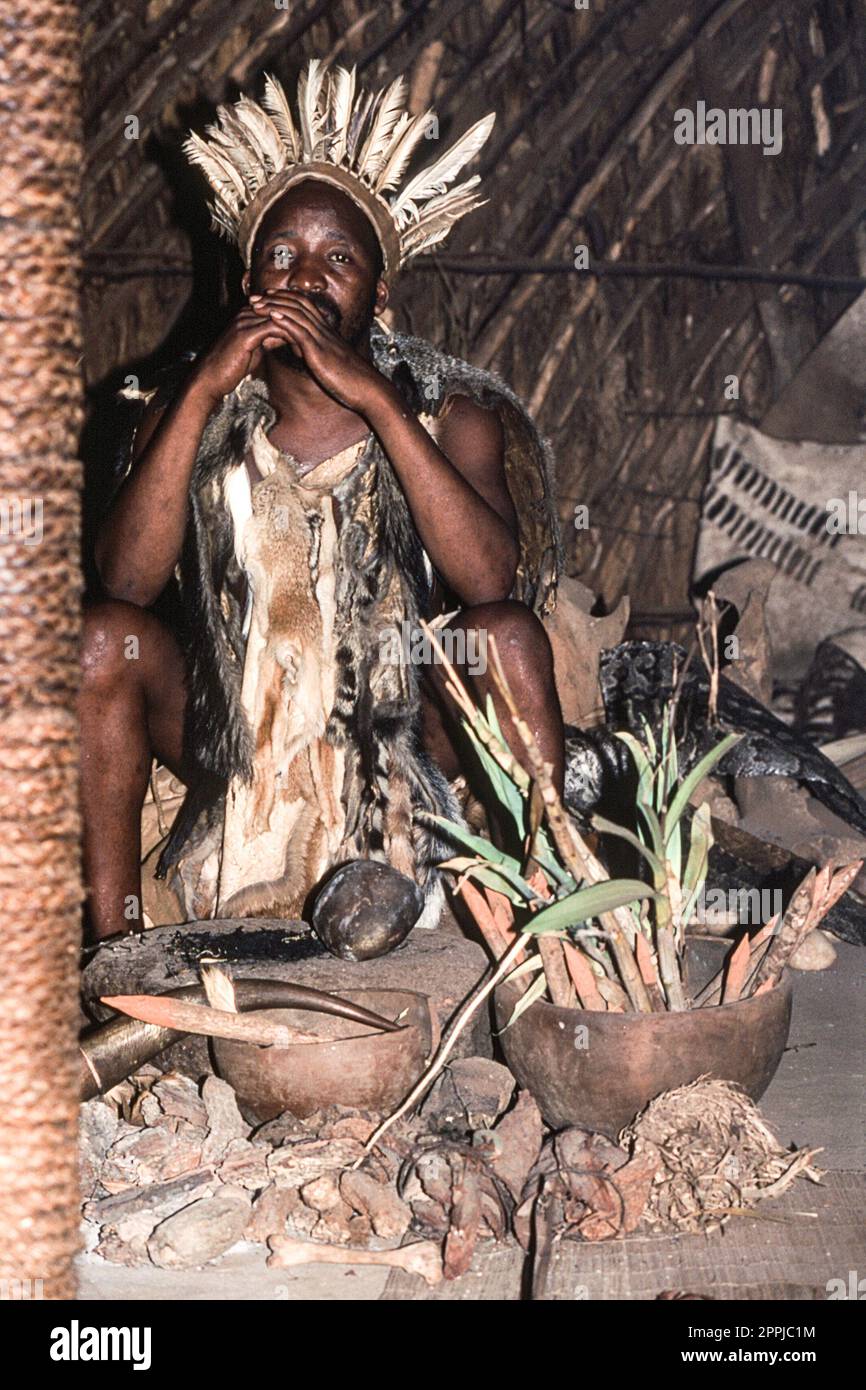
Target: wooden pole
column 40, row 415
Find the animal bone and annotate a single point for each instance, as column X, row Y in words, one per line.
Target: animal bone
column 423, row 1257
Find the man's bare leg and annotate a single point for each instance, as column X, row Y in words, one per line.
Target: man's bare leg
column 527, row 659
column 131, row 710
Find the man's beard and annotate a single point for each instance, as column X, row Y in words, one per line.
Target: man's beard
column 353, row 331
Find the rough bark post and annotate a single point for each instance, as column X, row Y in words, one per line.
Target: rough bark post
column 40, row 416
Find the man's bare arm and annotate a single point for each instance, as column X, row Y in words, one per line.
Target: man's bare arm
column 457, row 493
column 140, row 540
column 141, row 537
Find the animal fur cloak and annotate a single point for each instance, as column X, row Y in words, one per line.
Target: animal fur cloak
column 306, row 730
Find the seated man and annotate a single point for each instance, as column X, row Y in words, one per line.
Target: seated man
column 319, row 486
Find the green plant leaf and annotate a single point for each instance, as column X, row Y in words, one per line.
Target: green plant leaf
column 649, row 736
column 655, row 830
column 674, row 762
column 700, row 844
column 526, row 1000
column 587, row 902
column 663, row 766
column 549, row 862
column 609, row 827
column 512, row 885
column 507, row 793
column 526, row 967
column 638, row 752
column 645, row 788
column 674, row 846
column 481, row 848
column 493, row 719
column 689, row 783
column 492, row 876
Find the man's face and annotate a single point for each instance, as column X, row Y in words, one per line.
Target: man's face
column 314, row 240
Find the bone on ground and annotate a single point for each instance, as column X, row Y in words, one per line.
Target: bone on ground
column 423, row 1257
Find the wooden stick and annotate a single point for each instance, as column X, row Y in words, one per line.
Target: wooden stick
column 839, row 885
column 583, row 979
column 648, row 270
column 491, row 929
column 791, row 931
column 758, row 945
column 817, row 894
column 502, row 912
column 575, row 853
column 738, row 965
column 550, row 948
column 446, row 1047
column 669, row 961
column 461, row 697
column 558, row 979
column 613, row 995
column 648, row 973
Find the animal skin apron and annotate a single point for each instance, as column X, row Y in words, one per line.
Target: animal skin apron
column 285, row 826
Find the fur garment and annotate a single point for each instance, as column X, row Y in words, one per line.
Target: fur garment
column 355, row 568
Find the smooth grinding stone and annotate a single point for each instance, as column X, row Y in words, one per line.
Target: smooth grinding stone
column 817, row 952
column 438, row 963
column 366, row 909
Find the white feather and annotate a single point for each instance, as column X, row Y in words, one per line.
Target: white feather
column 221, row 173
column 357, row 124
column 377, row 143
column 238, row 144
column 407, row 133
column 435, row 226
column 437, row 178
column 441, row 203
column 276, row 103
column 226, row 225
column 310, row 110
column 225, row 208
column 342, row 97
column 263, row 131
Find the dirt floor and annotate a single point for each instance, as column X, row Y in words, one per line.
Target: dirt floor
column 789, row 1250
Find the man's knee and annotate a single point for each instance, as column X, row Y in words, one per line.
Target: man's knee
column 111, row 643
column 520, row 637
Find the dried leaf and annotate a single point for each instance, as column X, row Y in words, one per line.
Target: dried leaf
column 738, row 967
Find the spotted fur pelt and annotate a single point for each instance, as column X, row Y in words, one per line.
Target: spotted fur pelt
column 383, row 580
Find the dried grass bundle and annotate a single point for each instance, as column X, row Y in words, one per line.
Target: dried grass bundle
column 715, row 1156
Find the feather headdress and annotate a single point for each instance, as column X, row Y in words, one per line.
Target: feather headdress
column 360, row 141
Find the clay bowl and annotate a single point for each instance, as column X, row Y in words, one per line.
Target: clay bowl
column 600, row 1078
column 352, row 1065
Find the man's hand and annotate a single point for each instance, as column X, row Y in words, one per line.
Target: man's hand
column 337, row 367
column 236, row 353
column 141, row 537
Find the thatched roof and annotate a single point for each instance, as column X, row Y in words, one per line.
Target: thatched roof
column 624, row 374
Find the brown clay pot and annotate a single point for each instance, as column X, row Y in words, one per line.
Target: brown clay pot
column 352, row 1065
column 597, row 1070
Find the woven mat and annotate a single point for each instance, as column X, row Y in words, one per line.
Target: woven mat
column 787, row 1252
